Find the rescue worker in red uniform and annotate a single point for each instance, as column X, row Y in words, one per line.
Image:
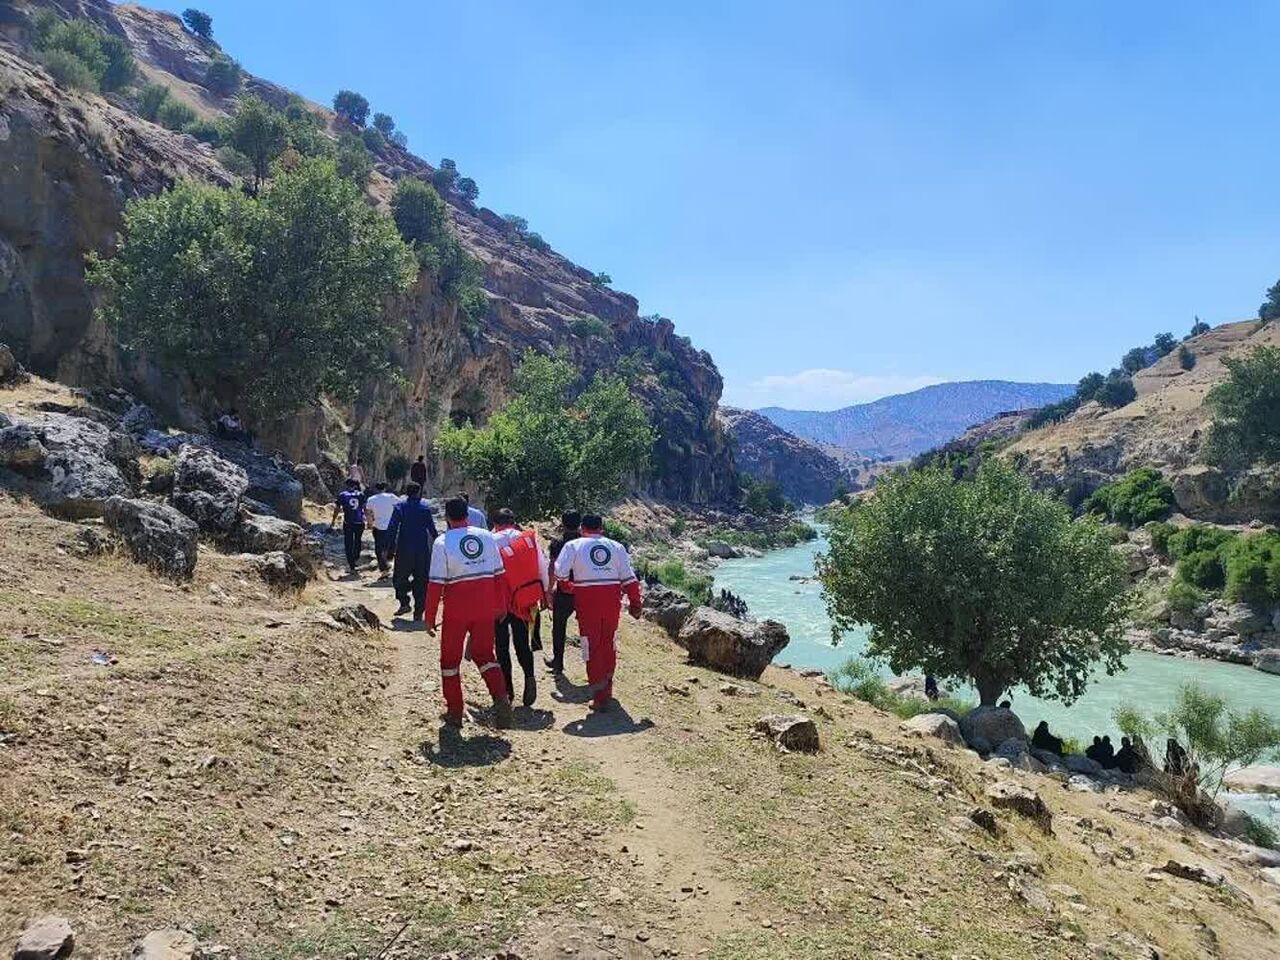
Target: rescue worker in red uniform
column 466, row 574
column 602, row 573
column 528, row 583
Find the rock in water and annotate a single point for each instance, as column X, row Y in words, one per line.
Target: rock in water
column 790, row 733
column 741, row 648
column 49, row 938
column 1268, row 661
column 995, row 725
column 155, row 534
column 166, row 945
column 668, row 608
column 1004, row 795
column 936, row 725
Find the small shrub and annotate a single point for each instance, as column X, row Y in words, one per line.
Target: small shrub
column 589, row 326
column 1160, row 534
column 236, row 163
column 1183, row 597
column 374, row 139
column 678, row 526
column 1200, row 554
column 517, row 223
column 1253, row 569
column 224, row 76
column 859, row 678
column 535, row 240
column 150, row 99
column 1116, row 391
column 1261, row 833
column 198, row 22
column 68, row 70
column 1186, row 357
column 1199, row 327
column 206, row 131
column 619, row 531
column 1141, row 496
column 175, row 115
column 601, row 279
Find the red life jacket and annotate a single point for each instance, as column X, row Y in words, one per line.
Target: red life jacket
column 520, row 558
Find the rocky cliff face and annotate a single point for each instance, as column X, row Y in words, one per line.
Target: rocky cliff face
column 764, row 451
column 69, row 161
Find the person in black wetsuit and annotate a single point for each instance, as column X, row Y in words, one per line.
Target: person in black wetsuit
column 562, row 605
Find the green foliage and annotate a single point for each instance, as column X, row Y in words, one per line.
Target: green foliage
column 1260, row 833
column 601, row 279
column 678, row 526
column 383, row 123
column 206, row 131
column 985, row 580
column 1116, row 390
column 762, row 497
column 1246, row 410
column 235, row 162
column 419, row 212
column 374, row 140
column 423, row 219
column 536, row 242
column 1270, row 308
column 353, row 160
column 1164, row 344
column 859, row 678
column 672, row 573
column 258, row 132
column 619, row 531
column 772, row 537
column 552, row 448
column 1160, row 534
column 467, row 189
column 1186, row 357
column 198, row 22
column 1253, row 569
column 175, row 115
column 150, row 99
column 1199, row 327
column 1200, row 552
column 1141, row 496
column 77, row 54
column 270, row 301
column 519, row 224
column 445, row 175
column 590, row 326
column 351, row 107
column 1135, row 360
column 396, row 468
column 224, row 76
column 1183, row 597
column 1133, row 724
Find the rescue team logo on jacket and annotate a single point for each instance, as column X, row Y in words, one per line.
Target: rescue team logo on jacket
column 471, row 546
column 600, row 555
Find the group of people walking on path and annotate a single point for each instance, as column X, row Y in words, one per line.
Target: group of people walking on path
column 482, row 589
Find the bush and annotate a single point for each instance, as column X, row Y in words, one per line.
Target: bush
column 536, row 242
column 1246, row 410
column 206, row 131
column 1136, row 359
column 236, row 162
column 374, row 140
column 1160, row 534
column 224, row 76
column 271, row 301
column 1141, row 496
column 68, row 70
column 175, row 115
column 858, row 678
column 1183, row 597
column 1116, row 391
column 383, row 123
column 423, row 219
column 1199, row 327
column 601, row 279
column 1261, row 833
column 467, row 189
column 353, row 160
column 763, row 497
column 619, row 531
column 351, row 107
column 1200, row 552
column 1253, row 569
column 1186, row 358
column 198, row 22
column 519, row 224
column 150, row 99
column 589, row 326
column 77, row 54
column 396, row 468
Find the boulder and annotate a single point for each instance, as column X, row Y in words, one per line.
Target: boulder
column 166, row 945
column 979, row 745
column 666, row 607
column 935, row 725
column 1135, row 561
column 155, row 534
column 1268, row 661
column 270, row 481
column 1194, row 872
column 212, row 514
column 258, row 534
column 208, row 488
column 139, row 420
column 48, row 938
column 21, row 450
column 1233, row 821
column 1239, row 619
column 1011, row 748
column 740, row 648
column 722, row 550
column 86, row 464
column 1257, row 779
column 1079, row 763
column 912, row 687
column 789, row 734
column 313, row 486
column 11, row 371
column 1006, row 795
column 993, row 724
column 356, row 617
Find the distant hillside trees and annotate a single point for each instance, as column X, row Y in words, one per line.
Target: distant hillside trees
column 77, row 54
column 467, row 189
column 223, row 76
column 1246, row 410
column 270, row 300
column 1199, row 327
column 422, row 217
column 260, row 133
column 984, row 581
column 198, row 22
column 1186, row 357
column 555, row 446
column 1270, row 308
column 351, row 107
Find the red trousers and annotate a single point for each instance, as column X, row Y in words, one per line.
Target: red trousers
column 474, row 637
column 598, row 610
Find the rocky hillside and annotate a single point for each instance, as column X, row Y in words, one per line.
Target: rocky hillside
column 909, row 423
column 1164, row 427
column 764, row 451
column 70, row 160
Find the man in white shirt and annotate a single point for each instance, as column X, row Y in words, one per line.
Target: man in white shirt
column 381, row 505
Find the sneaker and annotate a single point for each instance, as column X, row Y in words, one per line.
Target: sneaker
column 502, row 716
column 401, row 610
column 530, row 690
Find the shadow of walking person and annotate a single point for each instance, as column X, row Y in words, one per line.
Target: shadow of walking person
column 567, row 691
column 453, row 750
column 615, row 722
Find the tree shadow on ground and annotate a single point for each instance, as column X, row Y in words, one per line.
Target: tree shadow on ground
column 453, row 750
column 567, row 691
column 614, row 722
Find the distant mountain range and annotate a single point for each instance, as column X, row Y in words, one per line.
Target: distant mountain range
column 909, row 423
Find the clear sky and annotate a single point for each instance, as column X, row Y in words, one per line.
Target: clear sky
column 841, row 200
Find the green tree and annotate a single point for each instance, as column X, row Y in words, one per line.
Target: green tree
column 1141, row 496
column 150, row 99
column 121, row 69
column 1164, row 344
column 260, row 133
column 983, row 580
column 419, row 212
column 551, row 448
column 1199, row 327
column 351, row 107
column 1186, row 357
column 270, row 301
column 519, row 224
column 1135, row 360
column 77, row 54
column 383, row 123
column 601, row 279
column 223, row 76
column 198, row 22
column 354, row 162
column 175, row 115
column 1270, row 308
column 467, row 189
column 374, row 140
column 1246, row 410
column 1116, row 390
column 1089, row 386
column 763, row 497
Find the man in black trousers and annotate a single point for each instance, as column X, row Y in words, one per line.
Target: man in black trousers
column 562, row 595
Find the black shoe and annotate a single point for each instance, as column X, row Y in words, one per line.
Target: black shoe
column 401, row 610
column 553, row 666
column 530, row 690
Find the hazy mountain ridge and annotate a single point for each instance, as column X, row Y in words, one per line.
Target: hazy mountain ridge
column 905, row 424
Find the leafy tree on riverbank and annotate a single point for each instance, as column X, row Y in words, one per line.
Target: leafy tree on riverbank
column 1141, row 496
column 1246, row 410
column 271, row 300
column 983, row 580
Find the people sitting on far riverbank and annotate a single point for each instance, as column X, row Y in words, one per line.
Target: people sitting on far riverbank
column 1042, row 739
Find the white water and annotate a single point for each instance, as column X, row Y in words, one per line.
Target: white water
column 1150, row 683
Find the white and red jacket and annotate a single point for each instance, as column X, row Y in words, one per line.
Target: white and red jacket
column 596, row 562
column 466, row 573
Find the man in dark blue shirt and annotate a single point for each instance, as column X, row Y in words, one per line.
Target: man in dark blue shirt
column 351, row 505
column 412, row 530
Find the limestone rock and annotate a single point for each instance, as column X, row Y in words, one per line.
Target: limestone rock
column 1079, row 763
column 935, row 725
column 993, row 724
column 1239, row 619
column 21, row 450
column 356, row 617
column 281, row 572
column 795, row 733
column 12, row 372
column 741, row 648
column 1257, row 779
column 48, row 938
column 86, row 464
column 259, row 534
column 313, row 486
column 157, row 535
column 270, row 481
column 1005, row 795
column 764, row 451
column 1268, row 661
column 166, row 945
column 1194, row 872
column 666, row 607
column 208, row 488
column 722, row 550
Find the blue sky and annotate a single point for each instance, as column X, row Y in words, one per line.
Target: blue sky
column 841, row 200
